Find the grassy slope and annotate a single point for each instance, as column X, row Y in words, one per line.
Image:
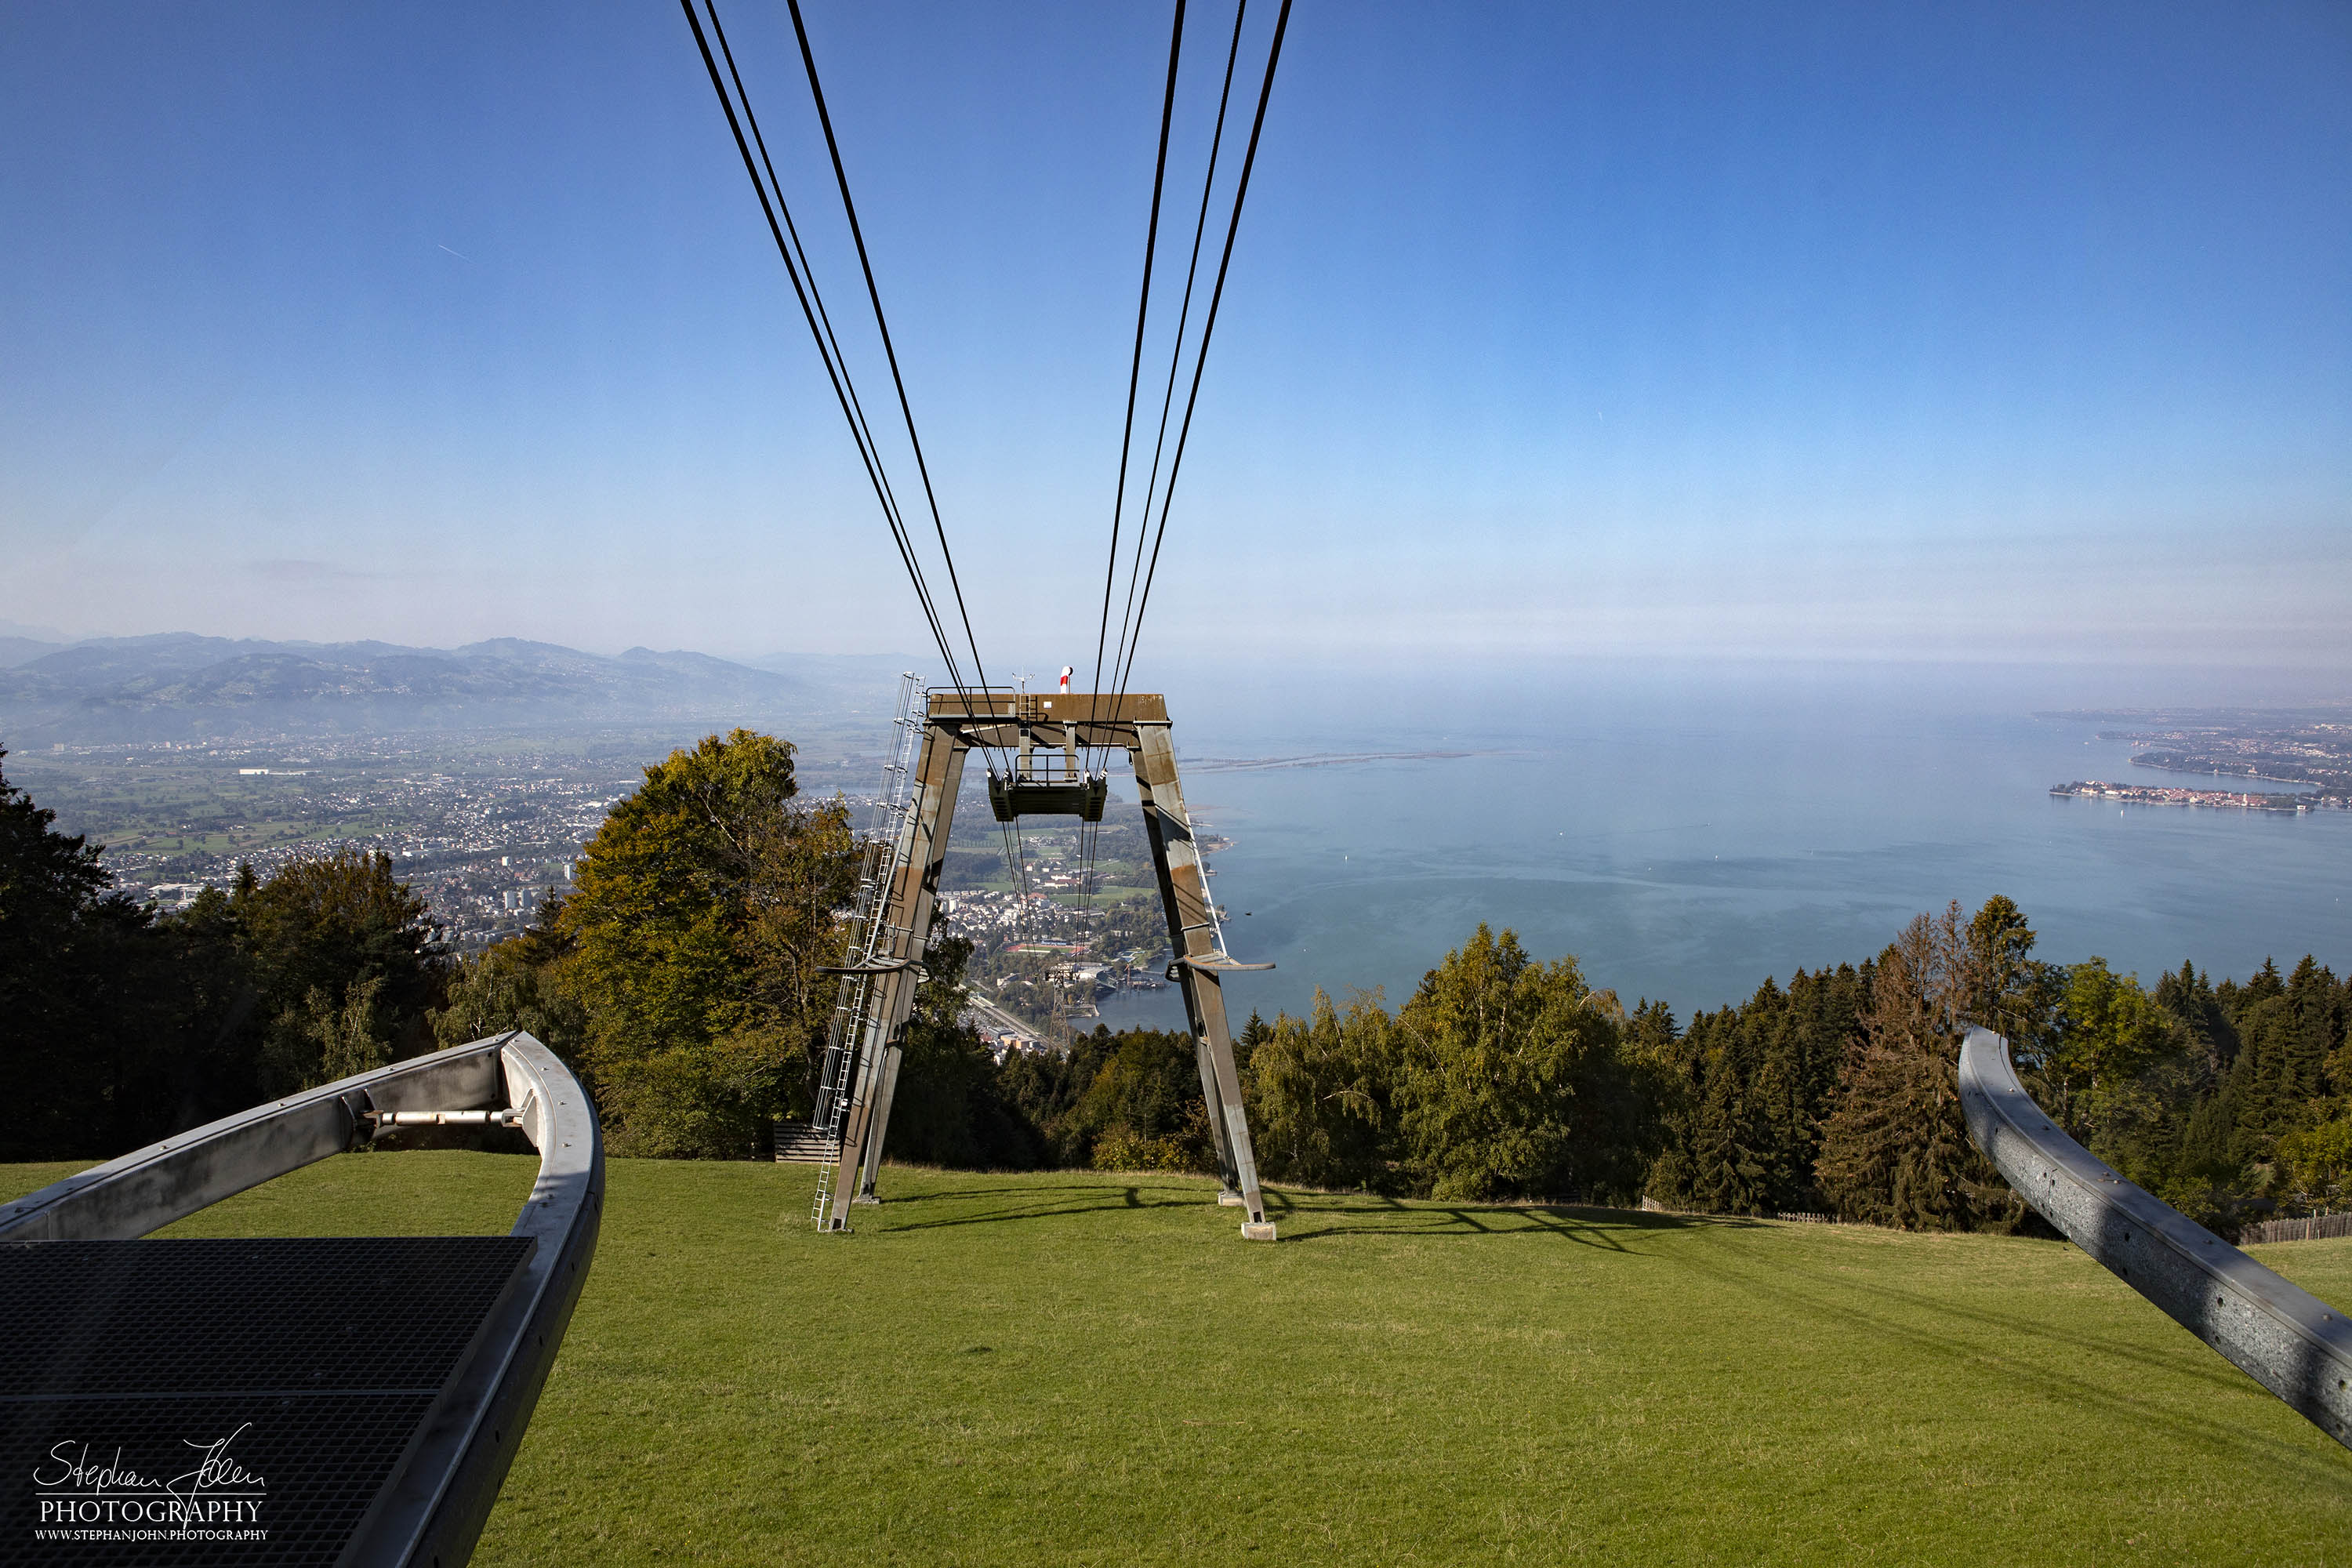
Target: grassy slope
column 1072, row 1368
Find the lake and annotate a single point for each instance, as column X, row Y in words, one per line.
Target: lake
column 1685, row 831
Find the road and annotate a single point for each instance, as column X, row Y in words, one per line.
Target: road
column 992, row 1019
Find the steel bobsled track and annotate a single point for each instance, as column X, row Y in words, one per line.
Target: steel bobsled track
column 2282, row 1336
column 426, row 1501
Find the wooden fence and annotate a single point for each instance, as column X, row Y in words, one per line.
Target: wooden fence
column 798, row 1143
column 1652, row 1205
column 2316, row 1227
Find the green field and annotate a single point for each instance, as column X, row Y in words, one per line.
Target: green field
column 1084, row 1368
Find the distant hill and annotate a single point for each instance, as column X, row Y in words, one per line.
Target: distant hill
column 14, row 650
column 873, row 676
column 179, row 685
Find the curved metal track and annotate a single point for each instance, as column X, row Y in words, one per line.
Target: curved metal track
column 2285, row 1337
column 433, row 1506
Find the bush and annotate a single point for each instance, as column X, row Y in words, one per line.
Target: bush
column 1121, row 1148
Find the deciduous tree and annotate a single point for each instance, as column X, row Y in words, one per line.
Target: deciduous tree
column 1320, row 1093
column 1510, row 1082
column 703, row 910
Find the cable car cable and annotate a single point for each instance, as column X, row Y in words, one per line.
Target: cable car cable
column 865, row 428
column 849, row 207
column 835, row 374
column 1183, row 319
column 1175, row 355
column 1208, row 328
column 1089, row 831
column 1142, row 309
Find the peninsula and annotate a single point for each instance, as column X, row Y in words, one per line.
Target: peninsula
column 2165, row 795
column 2309, row 746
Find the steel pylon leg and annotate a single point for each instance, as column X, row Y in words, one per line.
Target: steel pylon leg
column 906, row 919
column 892, row 1055
column 1192, row 935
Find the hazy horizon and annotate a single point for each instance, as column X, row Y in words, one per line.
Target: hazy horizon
column 1236, row 693
column 2010, row 334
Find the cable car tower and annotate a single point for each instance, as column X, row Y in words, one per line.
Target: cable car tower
column 1045, row 732
column 1041, row 736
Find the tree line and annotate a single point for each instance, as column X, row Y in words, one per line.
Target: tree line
column 1840, row 1092
column 682, row 979
column 119, row 1027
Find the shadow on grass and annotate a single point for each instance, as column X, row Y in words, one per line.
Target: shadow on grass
column 1952, row 1333
column 1586, row 1224
column 1330, row 1214
column 2209, row 1368
column 1982, row 1352
column 1124, row 1199
column 962, row 1195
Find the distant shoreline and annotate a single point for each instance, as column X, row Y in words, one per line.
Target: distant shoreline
column 2168, row 795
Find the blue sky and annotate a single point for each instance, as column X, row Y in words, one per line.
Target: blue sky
column 2001, row 333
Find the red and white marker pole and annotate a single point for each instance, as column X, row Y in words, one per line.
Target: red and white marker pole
column 1067, row 671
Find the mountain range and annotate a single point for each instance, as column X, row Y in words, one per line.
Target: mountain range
column 177, row 686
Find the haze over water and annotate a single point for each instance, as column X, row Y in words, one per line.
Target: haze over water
column 1687, row 831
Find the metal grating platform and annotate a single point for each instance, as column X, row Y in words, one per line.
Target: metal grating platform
column 316, row 1359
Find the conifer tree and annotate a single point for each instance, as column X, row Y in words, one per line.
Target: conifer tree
column 85, row 1024
column 1669, row 1071
column 2188, row 996
column 1729, row 1140
column 1895, row 1150
column 2316, row 1008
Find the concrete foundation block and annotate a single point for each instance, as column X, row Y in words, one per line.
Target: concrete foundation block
column 1262, row 1231
column 1229, row 1199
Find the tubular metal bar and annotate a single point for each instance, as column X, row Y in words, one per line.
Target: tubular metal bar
column 433, row 1507
column 2287, row 1339
column 511, row 1117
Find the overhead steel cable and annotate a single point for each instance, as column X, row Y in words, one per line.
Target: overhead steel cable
column 1175, row 361
column 1208, row 329
column 836, row 372
column 864, row 428
column 1015, row 876
column 1089, row 831
column 1142, row 312
column 1184, row 319
column 882, row 324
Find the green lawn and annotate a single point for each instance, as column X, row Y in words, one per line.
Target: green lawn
column 1079, row 1368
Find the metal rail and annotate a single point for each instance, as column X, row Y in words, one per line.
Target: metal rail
column 2285, row 1337
column 433, row 1507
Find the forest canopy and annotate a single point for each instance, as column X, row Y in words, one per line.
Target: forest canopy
column 682, row 979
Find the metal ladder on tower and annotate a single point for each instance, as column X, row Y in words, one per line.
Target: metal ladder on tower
column 868, row 937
